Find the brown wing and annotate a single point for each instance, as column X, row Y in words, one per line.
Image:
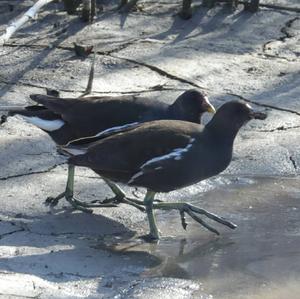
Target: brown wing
column 91, row 140
column 54, row 104
column 121, row 156
column 75, row 110
column 91, row 115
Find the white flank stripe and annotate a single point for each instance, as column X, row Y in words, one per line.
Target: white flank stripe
column 47, row 125
column 176, row 154
column 116, row 129
column 135, row 176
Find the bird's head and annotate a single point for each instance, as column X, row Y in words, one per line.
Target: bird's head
column 191, row 105
column 231, row 116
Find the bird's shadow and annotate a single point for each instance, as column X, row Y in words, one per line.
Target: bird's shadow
column 70, row 246
column 65, row 247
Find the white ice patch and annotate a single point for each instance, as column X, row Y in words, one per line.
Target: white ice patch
column 47, row 125
column 176, row 154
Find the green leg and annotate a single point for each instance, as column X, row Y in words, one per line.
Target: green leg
column 120, row 197
column 120, row 194
column 69, row 195
column 148, row 201
column 53, row 201
column 70, row 181
column 192, row 211
column 83, row 206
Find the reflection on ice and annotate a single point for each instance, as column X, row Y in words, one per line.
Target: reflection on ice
column 259, row 260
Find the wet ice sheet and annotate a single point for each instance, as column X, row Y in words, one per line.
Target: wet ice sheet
column 260, row 259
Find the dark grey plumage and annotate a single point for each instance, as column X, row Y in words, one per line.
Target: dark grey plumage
column 87, row 116
column 72, row 118
column 166, row 155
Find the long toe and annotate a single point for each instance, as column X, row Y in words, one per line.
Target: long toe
column 135, row 203
column 221, row 220
column 194, row 212
column 115, row 199
column 112, row 202
column 150, row 238
column 121, row 199
column 94, row 205
column 77, row 205
column 202, row 222
column 183, row 220
column 51, row 201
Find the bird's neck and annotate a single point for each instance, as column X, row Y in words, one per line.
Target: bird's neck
column 175, row 110
column 222, row 133
column 178, row 112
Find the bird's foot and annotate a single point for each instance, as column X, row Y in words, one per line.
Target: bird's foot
column 79, row 205
column 84, row 206
column 117, row 199
column 75, row 203
column 193, row 212
column 150, row 238
column 53, row 201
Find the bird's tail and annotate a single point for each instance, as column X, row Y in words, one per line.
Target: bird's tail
column 71, row 150
column 37, row 115
column 76, row 154
column 10, row 109
column 22, row 110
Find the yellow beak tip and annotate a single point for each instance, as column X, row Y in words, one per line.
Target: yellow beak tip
column 211, row 109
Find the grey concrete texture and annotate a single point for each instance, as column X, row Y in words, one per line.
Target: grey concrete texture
column 61, row 253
